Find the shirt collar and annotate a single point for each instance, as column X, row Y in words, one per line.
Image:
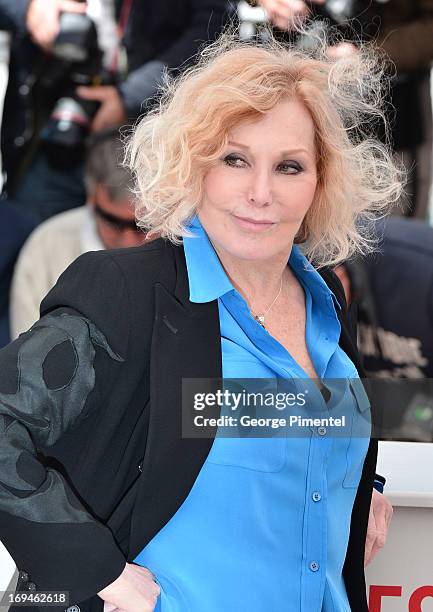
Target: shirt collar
column 90, row 240
column 207, row 278
column 309, row 275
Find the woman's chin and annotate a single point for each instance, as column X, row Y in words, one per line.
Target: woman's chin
column 250, row 252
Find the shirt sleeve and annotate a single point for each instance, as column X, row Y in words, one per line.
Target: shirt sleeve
column 379, row 483
column 48, row 382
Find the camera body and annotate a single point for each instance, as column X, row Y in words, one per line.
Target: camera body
column 76, row 60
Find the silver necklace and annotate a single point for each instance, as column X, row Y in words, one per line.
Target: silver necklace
column 260, row 318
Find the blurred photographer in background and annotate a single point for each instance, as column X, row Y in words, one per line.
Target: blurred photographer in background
column 391, row 291
column 107, row 221
column 404, row 30
column 77, row 68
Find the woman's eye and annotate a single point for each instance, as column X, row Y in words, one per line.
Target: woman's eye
column 234, row 161
column 286, row 167
column 289, row 167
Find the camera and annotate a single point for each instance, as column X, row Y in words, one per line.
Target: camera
column 76, row 60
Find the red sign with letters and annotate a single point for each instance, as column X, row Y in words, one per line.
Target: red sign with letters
column 378, row 591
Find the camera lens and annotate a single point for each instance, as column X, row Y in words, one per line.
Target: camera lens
column 63, row 136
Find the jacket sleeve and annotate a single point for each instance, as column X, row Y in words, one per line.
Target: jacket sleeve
column 410, row 43
column 140, row 85
column 48, row 382
column 13, row 15
column 207, row 20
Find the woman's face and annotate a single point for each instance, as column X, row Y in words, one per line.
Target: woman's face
column 258, row 193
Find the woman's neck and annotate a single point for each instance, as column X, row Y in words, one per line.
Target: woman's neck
column 257, row 281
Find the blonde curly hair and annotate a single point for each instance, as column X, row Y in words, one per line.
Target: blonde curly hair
column 175, row 144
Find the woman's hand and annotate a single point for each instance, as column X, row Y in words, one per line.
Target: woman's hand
column 111, row 112
column 343, row 49
column 378, row 522
column 285, row 14
column 43, row 19
column 135, row 590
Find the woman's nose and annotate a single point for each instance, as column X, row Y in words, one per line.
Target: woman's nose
column 260, row 189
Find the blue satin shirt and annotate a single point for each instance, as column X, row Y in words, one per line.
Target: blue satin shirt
column 266, row 525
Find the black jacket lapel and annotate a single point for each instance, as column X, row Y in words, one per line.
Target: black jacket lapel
column 185, row 344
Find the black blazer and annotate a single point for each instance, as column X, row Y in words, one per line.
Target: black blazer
column 95, row 388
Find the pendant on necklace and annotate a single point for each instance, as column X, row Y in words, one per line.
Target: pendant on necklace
column 260, row 319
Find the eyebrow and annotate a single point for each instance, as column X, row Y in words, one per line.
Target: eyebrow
column 288, row 152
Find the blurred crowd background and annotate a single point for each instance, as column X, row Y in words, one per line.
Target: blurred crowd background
column 74, row 75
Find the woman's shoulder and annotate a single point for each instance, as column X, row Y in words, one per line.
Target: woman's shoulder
column 154, row 254
column 156, row 261
column 109, row 287
column 104, row 274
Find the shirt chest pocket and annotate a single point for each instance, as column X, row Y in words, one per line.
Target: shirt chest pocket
column 360, row 430
column 258, row 454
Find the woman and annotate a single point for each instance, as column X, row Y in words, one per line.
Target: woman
column 252, row 151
